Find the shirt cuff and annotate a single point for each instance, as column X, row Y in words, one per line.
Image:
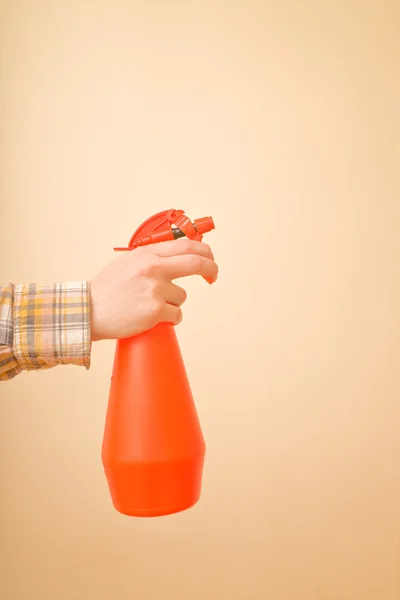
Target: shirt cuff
column 52, row 325
column 9, row 367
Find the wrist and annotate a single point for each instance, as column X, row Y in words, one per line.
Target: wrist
column 96, row 331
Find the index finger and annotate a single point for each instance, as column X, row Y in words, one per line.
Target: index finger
column 181, row 246
column 189, row 264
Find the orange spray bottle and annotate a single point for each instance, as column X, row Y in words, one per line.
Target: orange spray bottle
column 153, row 448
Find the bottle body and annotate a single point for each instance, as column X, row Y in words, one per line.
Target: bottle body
column 153, row 447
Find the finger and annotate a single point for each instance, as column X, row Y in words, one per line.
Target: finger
column 171, row 314
column 181, row 246
column 189, row 264
column 173, row 294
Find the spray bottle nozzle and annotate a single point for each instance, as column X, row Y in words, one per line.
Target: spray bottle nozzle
column 200, row 226
column 204, row 225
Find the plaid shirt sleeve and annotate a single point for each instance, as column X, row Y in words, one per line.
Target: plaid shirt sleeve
column 42, row 326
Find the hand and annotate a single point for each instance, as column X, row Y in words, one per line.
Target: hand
column 135, row 292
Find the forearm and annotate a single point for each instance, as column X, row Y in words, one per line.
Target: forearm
column 42, row 326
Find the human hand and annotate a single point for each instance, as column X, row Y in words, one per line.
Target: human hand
column 135, row 292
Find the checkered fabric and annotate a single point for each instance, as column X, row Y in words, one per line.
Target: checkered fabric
column 42, row 326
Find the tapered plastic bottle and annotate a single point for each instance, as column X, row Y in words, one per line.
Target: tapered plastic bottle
column 153, row 447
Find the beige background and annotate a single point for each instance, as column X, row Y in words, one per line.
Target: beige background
column 280, row 119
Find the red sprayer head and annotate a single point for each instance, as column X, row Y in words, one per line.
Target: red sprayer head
column 169, row 225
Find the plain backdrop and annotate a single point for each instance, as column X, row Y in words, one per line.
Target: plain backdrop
column 281, row 120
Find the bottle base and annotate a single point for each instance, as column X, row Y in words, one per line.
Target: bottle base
column 155, row 489
column 149, row 513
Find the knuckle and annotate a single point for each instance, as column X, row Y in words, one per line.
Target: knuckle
column 156, row 307
column 187, row 244
column 153, row 285
column 149, row 265
column 196, row 263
